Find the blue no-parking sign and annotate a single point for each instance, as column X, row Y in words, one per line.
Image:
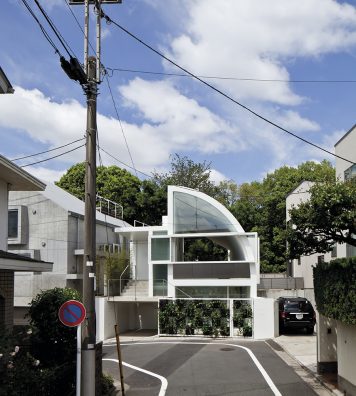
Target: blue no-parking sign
column 72, row 313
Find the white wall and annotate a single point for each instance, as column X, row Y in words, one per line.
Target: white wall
column 3, row 215
column 346, row 352
column 327, row 340
column 345, row 148
column 265, row 318
column 142, row 260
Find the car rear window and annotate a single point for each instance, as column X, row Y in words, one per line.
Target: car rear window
column 292, row 306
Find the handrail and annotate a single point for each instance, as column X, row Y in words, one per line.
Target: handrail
column 122, row 273
column 140, row 222
column 168, row 283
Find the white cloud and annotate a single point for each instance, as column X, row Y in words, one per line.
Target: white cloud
column 217, row 176
column 45, row 174
column 292, row 121
column 253, row 39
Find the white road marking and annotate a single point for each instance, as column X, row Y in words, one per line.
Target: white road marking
column 164, row 382
column 267, row 378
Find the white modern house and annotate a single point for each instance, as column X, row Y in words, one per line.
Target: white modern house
column 13, row 178
column 49, row 225
column 160, row 268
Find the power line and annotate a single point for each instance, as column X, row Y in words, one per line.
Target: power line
column 47, row 151
column 122, row 129
column 111, row 69
column 56, row 156
column 47, row 36
column 61, row 39
column 109, row 20
column 123, row 163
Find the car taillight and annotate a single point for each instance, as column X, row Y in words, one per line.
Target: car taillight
column 283, row 314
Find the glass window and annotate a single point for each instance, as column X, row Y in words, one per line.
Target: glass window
column 13, row 223
column 160, row 232
column 193, row 214
column 201, row 292
column 239, row 291
column 350, row 173
column 160, row 286
column 159, row 249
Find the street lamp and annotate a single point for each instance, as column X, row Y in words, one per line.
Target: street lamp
column 5, row 85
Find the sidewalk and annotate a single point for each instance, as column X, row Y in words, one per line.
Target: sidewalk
column 302, row 348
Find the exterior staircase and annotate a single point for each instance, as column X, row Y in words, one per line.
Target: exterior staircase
column 140, row 290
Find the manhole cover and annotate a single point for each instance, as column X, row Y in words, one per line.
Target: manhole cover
column 227, row 349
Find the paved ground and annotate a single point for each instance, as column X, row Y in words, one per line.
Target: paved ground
column 204, row 367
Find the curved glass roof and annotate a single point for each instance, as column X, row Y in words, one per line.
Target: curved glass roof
column 195, row 215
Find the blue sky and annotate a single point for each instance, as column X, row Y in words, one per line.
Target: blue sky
column 162, row 115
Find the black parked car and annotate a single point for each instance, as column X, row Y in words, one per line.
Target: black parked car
column 296, row 313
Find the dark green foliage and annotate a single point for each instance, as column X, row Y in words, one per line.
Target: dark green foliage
column 194, row 317
column 335, row 289
column 261, row 207
column 203, row 249
column 328, row 217
column 242, row 318
column 107, row 385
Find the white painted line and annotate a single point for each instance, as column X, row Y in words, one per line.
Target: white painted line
column 267, row 378
column 164, row 382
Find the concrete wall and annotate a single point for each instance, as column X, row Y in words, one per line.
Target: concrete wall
column 3, row 215
column 130, row 316
column 346, row 353
column 265, row 318
column 327, row 346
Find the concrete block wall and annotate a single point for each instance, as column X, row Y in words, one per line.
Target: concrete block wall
column 6, row 298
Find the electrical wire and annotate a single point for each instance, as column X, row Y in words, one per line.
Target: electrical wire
column 109, row 20
column 47, row 151
column 61, row 39
column 56, row 156
column 46, row 35
column 122, row 129
column 111, row 69
column 123, row 163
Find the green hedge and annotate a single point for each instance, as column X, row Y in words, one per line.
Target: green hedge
column 335, row 289
column 207, row 317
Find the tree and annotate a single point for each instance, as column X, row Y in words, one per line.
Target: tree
column 187, row 173
column 328, row 217
column 261, row 208
column 113, row 183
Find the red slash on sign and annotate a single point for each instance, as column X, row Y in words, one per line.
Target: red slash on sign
column 72, row 313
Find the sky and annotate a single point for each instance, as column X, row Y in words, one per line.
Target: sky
column 150, row 117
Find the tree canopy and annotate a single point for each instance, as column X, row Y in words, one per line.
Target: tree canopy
column 328, row 217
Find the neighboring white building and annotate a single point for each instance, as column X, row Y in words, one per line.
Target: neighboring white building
column 49, row 225
column 13, row 178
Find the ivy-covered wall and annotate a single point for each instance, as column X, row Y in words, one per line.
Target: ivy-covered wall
column 335, row 289
column 206, row 317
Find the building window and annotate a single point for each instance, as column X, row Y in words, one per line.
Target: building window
column 334, row 251
column 13, row 223
column 213, row 292
column 320, row 259
column 350, row 173
column 160, row 286
column 160, row 249
column 299, row 261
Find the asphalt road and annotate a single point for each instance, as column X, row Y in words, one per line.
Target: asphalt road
column 204, row 367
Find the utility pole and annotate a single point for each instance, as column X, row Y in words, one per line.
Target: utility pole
column 88, row 372
column 89, row 78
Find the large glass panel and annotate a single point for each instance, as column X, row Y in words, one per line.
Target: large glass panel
column 159, row 249
column 13, row 223
column 201, row 291
column 160, row 286
column 239, row 291
column 193, row 214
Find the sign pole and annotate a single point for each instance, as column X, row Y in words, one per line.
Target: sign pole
column 79, row 358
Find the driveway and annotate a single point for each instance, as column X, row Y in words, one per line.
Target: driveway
column 204, row 367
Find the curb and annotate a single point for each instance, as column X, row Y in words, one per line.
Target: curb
column 279, row 349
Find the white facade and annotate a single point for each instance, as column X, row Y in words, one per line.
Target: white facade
column 157, row 253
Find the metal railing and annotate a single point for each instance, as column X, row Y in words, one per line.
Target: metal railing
column 281, row 283
column 111, row 208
